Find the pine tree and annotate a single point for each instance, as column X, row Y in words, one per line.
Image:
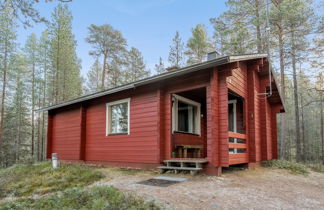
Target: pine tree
column 198, row 45
column 44, row 63
column 7, row 49
column 159, row 68
column 115, row 78
column 136, row 68
column 176, row 51
column 277, row 17
column 299, row 24
column 31, row 53
column 17, row 127
column 240, row 30
column 107, row 43
column 65, row 64
column 94, row 77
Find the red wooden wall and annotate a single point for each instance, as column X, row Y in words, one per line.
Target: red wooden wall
column 141, row 146
column 66, row 134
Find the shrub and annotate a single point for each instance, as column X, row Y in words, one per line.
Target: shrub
column 316, row 167
column 41, row 178
column 77, row 198
column 292, row 167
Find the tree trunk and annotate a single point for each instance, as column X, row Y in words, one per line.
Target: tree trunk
column 283, row 93
column 33, row 112
column 43, row 104
column 57, row 68
column 296, row 104
column 39, row 128
column 19, row 136
column 258, row 29
column 3, row 95
column 322, row 125
column 104, row 72
column 304, row 145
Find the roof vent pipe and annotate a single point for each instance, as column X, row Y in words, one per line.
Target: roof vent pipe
column 212, row 55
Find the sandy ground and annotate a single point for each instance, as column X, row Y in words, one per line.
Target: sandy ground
column 260, row 188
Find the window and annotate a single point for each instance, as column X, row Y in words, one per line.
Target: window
column 236, row 150
column 232, row 122
column 185, row 115
column 118, row 117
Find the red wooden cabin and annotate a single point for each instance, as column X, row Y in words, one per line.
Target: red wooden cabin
column 222, row 111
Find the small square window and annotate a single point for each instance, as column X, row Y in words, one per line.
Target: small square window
column 118, row 117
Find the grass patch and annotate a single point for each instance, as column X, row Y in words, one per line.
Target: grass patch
column 316, row 167
column 80, row 198
column 23, row 180
column 292, row 167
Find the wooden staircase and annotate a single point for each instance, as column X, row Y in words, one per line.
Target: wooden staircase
column 176, row 165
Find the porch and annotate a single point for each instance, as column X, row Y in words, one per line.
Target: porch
column 189, row 127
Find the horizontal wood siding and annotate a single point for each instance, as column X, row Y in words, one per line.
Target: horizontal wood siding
column 238, row 81
column 269, row 131
column 141, row 145
column 257, row 118
column 274, row 141
column 66, row 134
column 213, row 153
column 223, row 119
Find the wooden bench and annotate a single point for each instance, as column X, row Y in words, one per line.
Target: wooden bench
column 183, row 150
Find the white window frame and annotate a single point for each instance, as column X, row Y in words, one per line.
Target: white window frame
column 175, row 99
column 234, row 114
column 108, row 116
column 234, row 123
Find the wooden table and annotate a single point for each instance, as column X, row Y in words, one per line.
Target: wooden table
column 183, row 150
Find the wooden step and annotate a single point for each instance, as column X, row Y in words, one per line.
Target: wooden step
column 180, row 168
column 185, row 161
column 193, row 171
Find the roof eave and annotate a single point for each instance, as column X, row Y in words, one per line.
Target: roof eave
column 167, row 75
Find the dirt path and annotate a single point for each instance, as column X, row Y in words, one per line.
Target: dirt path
column 253, row 189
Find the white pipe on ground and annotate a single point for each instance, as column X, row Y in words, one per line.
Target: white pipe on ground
column 55, row 162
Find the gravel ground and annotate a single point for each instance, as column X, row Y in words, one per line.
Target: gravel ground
column 261, row 188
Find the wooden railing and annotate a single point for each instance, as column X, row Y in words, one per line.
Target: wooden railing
column 238, row 157
column 236, row 135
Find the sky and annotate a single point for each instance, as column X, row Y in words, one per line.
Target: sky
column 148, row 25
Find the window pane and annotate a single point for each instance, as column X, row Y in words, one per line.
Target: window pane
column 231, row 117
column 186, row 117
column 241, row 150
column 119, row 118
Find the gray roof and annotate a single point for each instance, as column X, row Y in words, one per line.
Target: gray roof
column 166, row 75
